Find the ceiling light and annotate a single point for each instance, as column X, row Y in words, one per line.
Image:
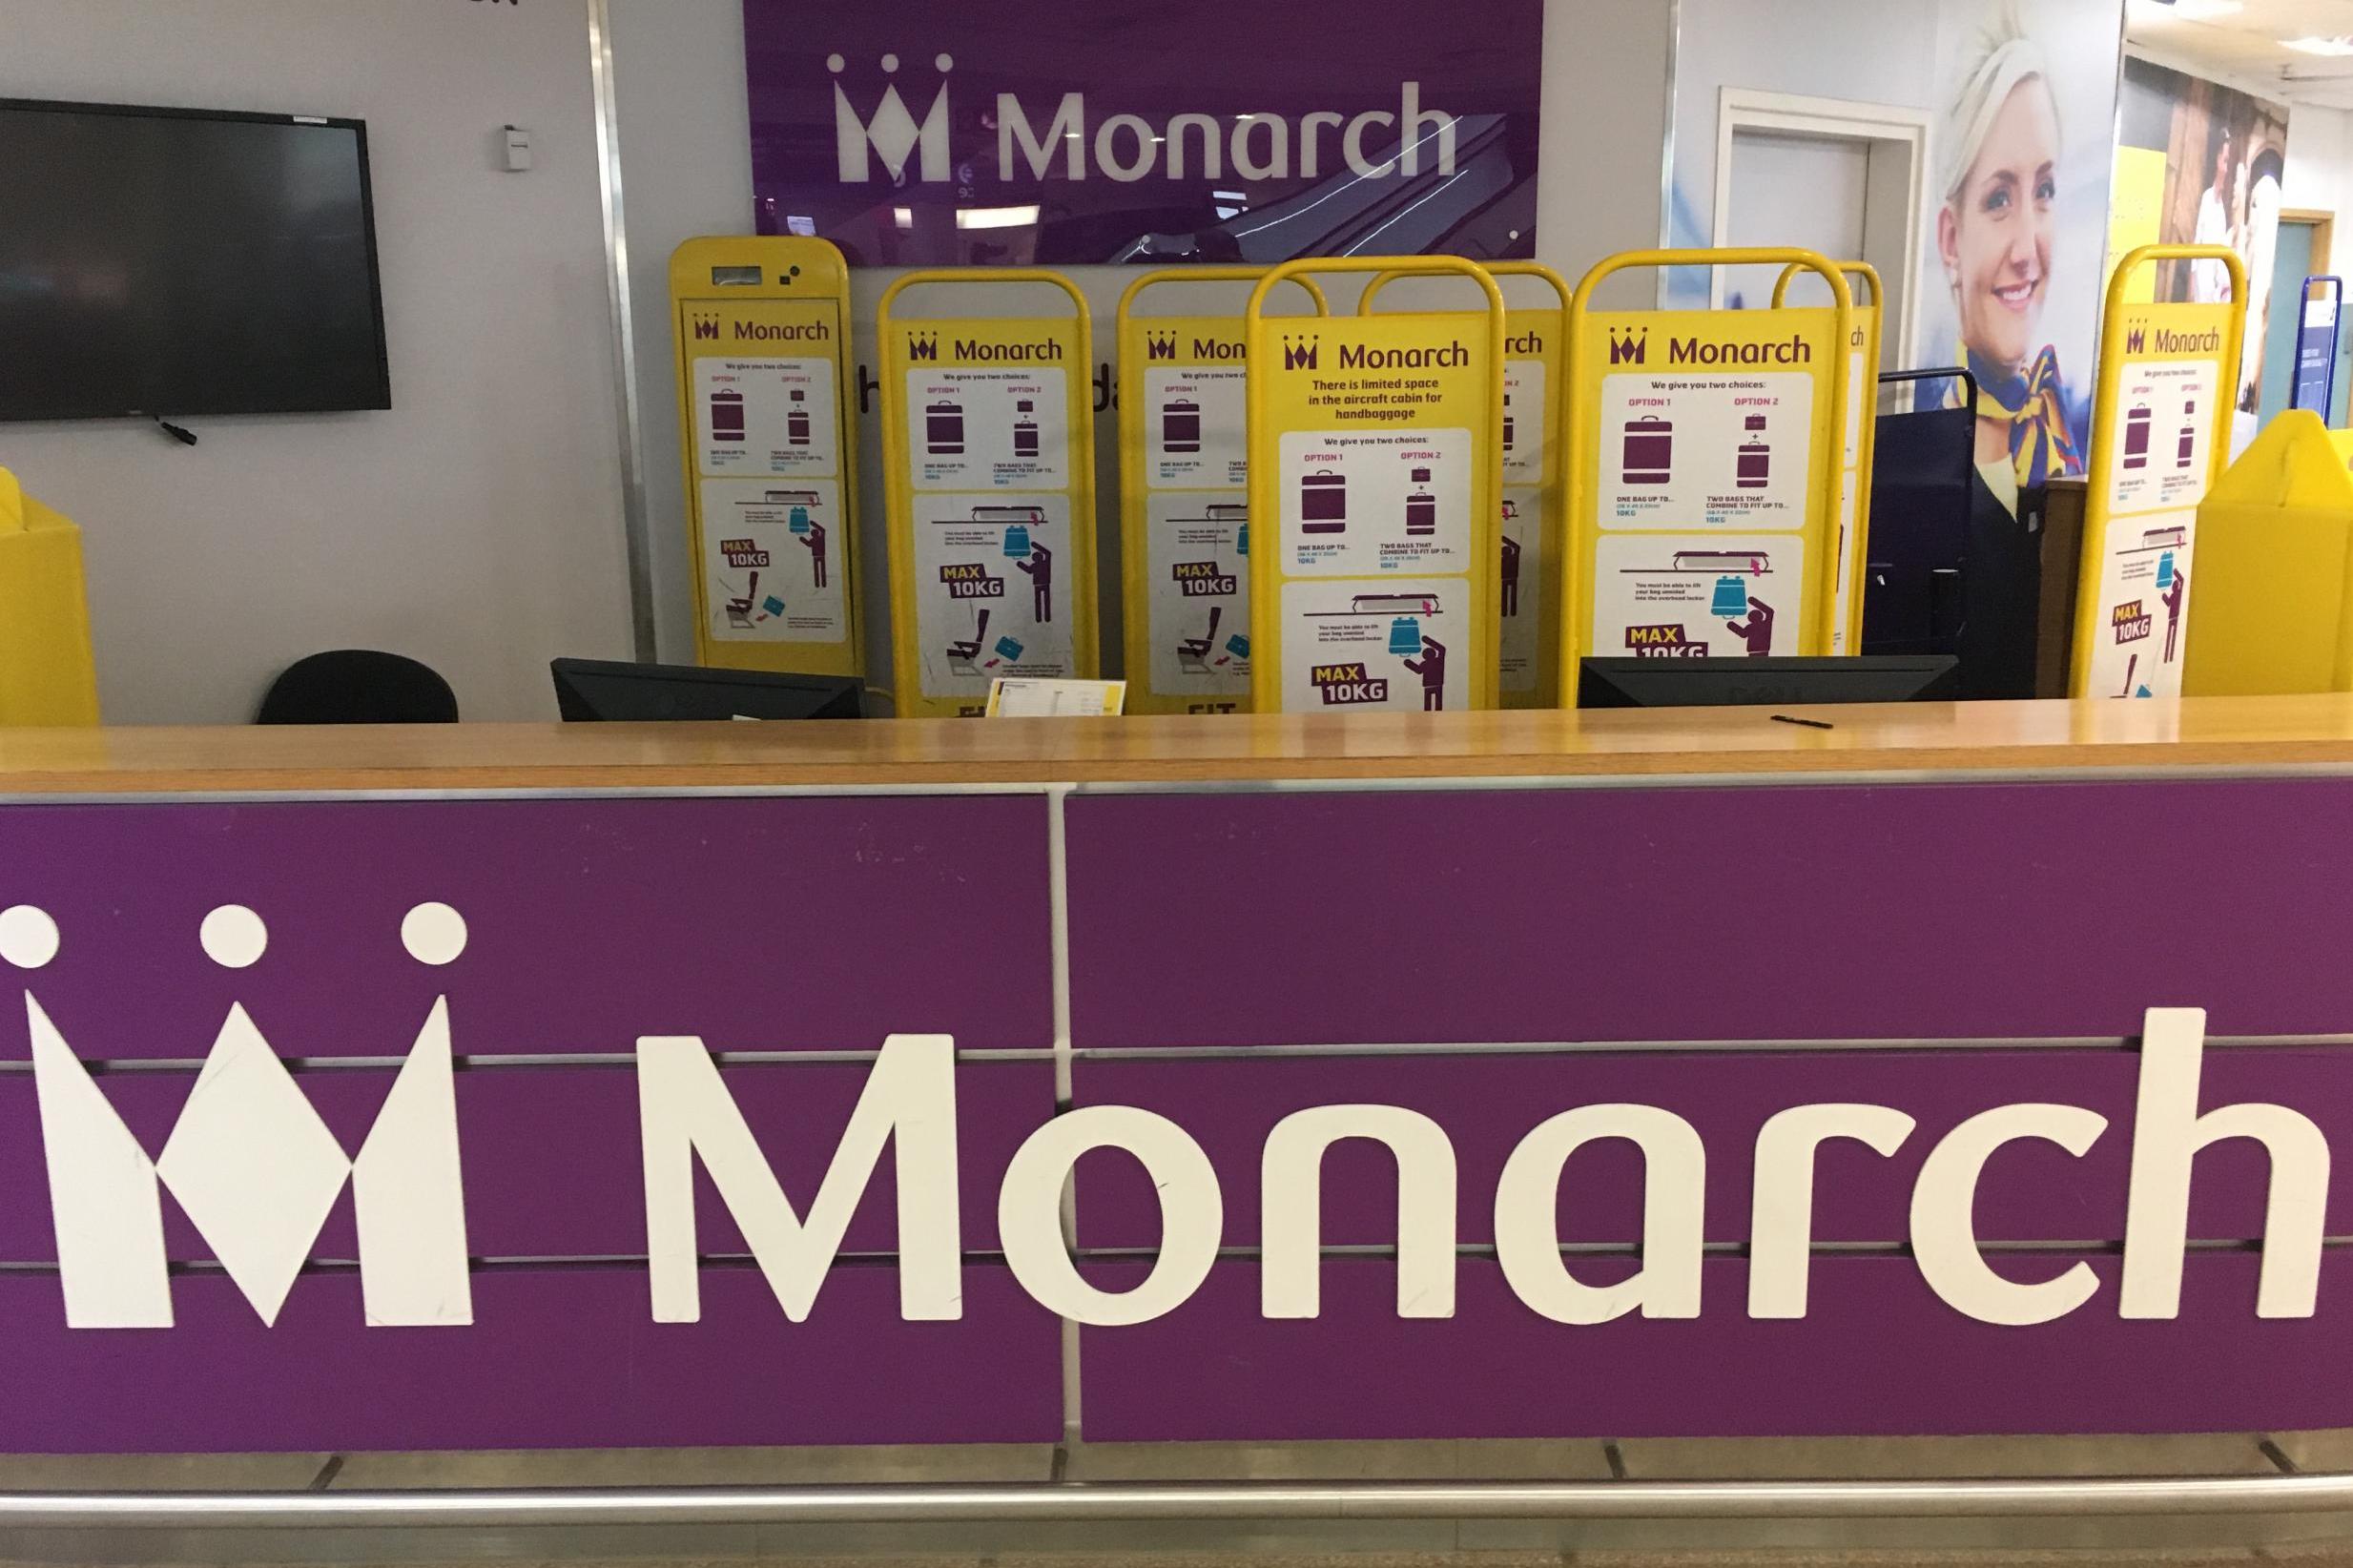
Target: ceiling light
column 995, row 217
column 2332, row 48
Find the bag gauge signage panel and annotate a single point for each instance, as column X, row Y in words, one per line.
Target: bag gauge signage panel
column 761, row 328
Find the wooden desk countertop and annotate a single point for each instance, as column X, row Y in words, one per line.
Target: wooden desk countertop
column 2202, row 734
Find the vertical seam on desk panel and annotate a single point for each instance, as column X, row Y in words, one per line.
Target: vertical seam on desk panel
column 1057, row 925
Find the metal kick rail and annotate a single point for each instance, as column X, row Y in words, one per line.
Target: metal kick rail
column 1198, row 1502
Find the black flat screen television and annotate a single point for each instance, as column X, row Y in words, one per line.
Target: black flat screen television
column 180, row 262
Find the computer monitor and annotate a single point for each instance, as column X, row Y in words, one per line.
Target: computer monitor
column 1776, row 682
column 599, row 689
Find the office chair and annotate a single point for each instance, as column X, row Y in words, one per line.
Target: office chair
column 359, row 686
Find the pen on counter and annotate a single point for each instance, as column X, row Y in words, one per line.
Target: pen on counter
column 1810, row 724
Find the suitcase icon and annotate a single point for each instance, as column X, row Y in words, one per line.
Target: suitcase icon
column 1422, row 511
column 1731, row 596
column 1323, row 503
column 1017, row 541
column 1404, row 635
column 2137, row 437
column 1753, row 465
column 1179, row 425
column 944, row 429
column 727, row 415
column 1649, row 455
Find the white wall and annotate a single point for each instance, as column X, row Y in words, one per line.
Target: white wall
column 683, row 130
column 2319, row 169
column 477, row 524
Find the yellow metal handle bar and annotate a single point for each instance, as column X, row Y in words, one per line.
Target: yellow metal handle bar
column 1213, row 274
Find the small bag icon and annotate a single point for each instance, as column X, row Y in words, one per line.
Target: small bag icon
column 1242, row 541
column 1017, row 541
column 1007, row 649
column 1405, row 636
column 2165, row 572
column 1731, row 596
column 798, row 521
column 1238, row 645
column 1323, row 503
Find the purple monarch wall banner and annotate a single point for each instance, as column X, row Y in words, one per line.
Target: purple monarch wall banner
column 585, row 1121
column 929, row 132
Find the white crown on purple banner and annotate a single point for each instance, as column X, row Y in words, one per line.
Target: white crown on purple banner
column 249, row 1160
column 892, row 131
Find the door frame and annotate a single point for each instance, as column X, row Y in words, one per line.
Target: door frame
column 2323, row 227
column 1741, row 109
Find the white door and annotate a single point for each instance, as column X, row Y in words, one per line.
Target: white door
column 1838, row 178
column 1802, row 191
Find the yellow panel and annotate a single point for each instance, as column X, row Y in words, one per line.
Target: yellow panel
column 2136, row 205
column 1376, row 468
column 2270, row 613
column 1707, row 473
column 988, row 466
column 1185, row 498
column 2160, row 438
column 47, row 674
column 769, row 452
column 1534, row 527
column 1862, row 447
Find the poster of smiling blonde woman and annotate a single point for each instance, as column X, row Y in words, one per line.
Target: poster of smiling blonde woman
column 2013, row 260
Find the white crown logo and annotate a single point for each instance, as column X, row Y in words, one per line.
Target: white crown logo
column 893, row 131
column 249, row 1160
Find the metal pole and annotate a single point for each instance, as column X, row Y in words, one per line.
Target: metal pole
column 637, row 525
column 1081, row 1502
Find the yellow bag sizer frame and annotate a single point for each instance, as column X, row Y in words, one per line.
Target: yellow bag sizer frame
column 1862, row 447
column 770, row 316
column 1548, row 326
column 2114, row 613
column 1824, row 363
column 1472, row 390
column 1139, row 339
column 965, row 693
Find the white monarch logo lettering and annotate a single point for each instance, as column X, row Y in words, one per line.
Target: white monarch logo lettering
column 1127, row 147
column 256, row 1170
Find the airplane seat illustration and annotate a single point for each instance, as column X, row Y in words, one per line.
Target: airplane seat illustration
column 739, row 610
column 1194, row 653
column 963, row 657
